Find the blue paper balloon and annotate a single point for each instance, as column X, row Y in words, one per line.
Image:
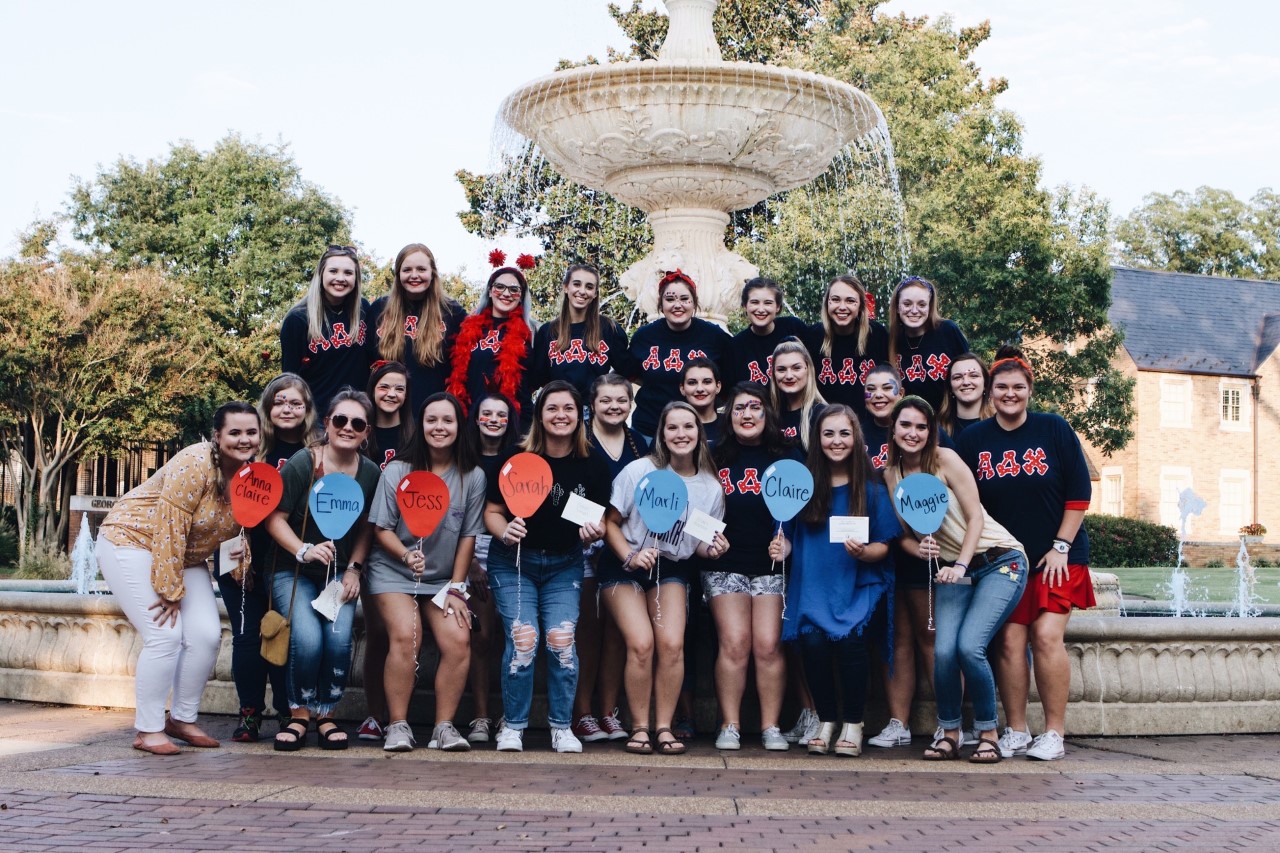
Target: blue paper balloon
column 336, row 501
column 787, row 487
column 661, row 497
column 921, row 500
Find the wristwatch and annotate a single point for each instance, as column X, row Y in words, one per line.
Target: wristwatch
column 1062, row 546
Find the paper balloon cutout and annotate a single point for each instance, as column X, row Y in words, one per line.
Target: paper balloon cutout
column 423, row 499
column 336, row 501
column 661, row 497
column 921, row 500
column 255, row 493
column 787, row 487
column 525, row 482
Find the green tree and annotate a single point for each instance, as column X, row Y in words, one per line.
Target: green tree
column 90, row 360
column 238, row 221
column 1208, row 232
column 1013, row 262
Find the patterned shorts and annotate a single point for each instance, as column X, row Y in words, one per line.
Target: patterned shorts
column 720, row 583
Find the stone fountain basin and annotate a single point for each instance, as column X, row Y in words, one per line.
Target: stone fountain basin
column 660, row 134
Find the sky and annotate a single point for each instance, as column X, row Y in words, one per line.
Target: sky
column 380, row 104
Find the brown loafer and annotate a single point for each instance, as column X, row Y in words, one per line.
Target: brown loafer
column 165, row 748
column 201, row 740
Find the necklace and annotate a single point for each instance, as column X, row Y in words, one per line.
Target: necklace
column 916, row 345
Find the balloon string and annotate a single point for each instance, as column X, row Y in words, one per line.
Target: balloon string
column 773, row 563
column 519, row 586
column 334, row 566
column 933, row 561
column 244, row 579
column 417, row 616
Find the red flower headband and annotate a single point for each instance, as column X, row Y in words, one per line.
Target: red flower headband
column 1012, row 360
column 674, row 276
column 524, row 261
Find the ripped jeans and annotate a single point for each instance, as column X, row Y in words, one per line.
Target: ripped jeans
column 319, row 650
column 541, row 599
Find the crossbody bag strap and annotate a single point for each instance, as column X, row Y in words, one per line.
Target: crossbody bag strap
column 306, row 510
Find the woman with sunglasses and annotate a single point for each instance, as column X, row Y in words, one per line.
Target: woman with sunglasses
column 922, row 345
column 322, row 338
column 152, row 549
column 659, row 350
column 414, row 324
column 749, row 357
column 287, row 416
column 406, row 573
column 306, row 562
column 847, row 342
column 493, row 345
column 580, row 343
column 983, row 574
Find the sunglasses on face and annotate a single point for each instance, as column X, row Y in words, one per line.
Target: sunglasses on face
column 341, row 421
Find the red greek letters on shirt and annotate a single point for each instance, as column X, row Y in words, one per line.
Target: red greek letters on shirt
column 1008, row 465
column 914, row 373
column 652, row 362
column 749, row 484
column 1035, row 461
column 758, row 376
column 985, row 471
column 411, row 327
column 674, row 362
column 864, row 370
column 881, row 459
column 489, row 342
column 338, row 338
column 387, row 456
column 938, row 364
column 726, row 482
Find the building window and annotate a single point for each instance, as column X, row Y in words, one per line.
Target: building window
column 1173, row 480
column 1112, row 490
column 1234, row 396
column 1234, row 504
column 1175, row 403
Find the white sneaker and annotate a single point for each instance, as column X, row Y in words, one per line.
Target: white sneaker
column 772, row 739
column 510, row 740
column 729, row 738
column 804, row 728
column 894, row 734
column 399, row 738
column 1014, row 743
column 480, row 729
column 1047, row 747
column 449, row 739
column 562, row 740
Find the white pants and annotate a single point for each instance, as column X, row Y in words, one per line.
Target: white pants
column 178, row 657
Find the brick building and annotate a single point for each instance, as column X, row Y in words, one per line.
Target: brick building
column 1205, row 354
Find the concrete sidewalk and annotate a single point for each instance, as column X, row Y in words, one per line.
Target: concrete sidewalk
column 70, row 781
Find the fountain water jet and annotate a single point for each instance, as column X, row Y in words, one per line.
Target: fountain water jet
column 688, row 139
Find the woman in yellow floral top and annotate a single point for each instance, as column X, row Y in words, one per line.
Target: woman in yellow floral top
column 152, row 550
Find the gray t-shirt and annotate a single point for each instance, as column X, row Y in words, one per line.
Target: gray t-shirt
column 705, row 493
column 386, row 572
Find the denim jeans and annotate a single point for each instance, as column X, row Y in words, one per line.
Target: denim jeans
column 319, row 650
column 249, row 669
column 967, row 617
column 541, row 595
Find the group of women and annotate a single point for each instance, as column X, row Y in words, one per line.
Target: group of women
column 863, row 406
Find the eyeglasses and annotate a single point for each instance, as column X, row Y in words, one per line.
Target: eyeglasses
column 741, row 409
column 341, row 250
column 341, row 421
column 291, row 405
column 506, row 288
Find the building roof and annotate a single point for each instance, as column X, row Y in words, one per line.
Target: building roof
column 1195, row 323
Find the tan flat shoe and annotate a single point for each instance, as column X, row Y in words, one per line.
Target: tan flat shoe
column 165, row 748
column 201, row 740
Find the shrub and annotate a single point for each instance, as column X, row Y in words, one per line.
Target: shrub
column 44, row 563
column 1116, row 542
column 8, row 543
column 1215, row 564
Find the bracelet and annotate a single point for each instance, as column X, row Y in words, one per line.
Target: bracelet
column 630, row 557
column 355, row 566
column 1066, row 542
column 404, row 558
column 959, row 565
column 301, row 556
column 457, row 594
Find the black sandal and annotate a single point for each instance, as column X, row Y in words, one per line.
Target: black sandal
column 669, row 747
column 330, row 738
column 942, row 749
column 297, row 729
column 986, row 752
column 635, row 746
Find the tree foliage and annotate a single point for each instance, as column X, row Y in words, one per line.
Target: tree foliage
column 238, row 221
column 90, row 360
column 1208, row 232
column 1013, row 262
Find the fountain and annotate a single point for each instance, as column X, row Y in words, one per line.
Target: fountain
column 689, row 138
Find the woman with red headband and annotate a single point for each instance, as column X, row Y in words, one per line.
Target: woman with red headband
column 1033, row 479
column 491, row 352
column 922, row 345
column 660, row 349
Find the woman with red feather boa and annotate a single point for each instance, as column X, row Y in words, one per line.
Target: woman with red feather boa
column 491, row 352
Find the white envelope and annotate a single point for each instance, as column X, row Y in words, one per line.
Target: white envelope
column 855, row 527
column 227, row 563
column 580, row 511
column 702, row 526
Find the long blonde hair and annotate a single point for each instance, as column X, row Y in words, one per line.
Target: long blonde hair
column 592, row 322
column 428, row 340
column 810, row 396
column 864, row 318
column 265, row 403
column 314, row 298
column 661, row 456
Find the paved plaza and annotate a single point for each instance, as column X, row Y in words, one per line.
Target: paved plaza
column 70, row 781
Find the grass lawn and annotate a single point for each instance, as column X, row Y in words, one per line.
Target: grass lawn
column 1205, row 584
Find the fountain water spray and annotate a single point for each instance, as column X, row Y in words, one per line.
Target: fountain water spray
column 1189, row 504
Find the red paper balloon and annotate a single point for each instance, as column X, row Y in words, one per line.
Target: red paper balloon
column 255, row 493
column 423, row 499
column 525, row 482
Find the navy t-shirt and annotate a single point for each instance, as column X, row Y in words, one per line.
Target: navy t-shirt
column 547, row 530
column 633, row 447
column 748, row 525
column 749, row 357
column 1028, row 477
column 843, row 374
column 658, row 354
column 877, row 442
column 329, row 363
column 923, row 361
column 576, row 364
column 423, row 380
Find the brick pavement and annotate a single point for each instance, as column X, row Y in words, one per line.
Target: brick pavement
column 68, row 781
